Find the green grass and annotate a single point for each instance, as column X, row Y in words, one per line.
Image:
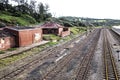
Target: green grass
column 51, row 43
column 67, row 38
column 8, row 60
column 77, row 30
column 22, row 21
column 11, row 59
column 12, row 49
column 2, row 52
column 51, row 37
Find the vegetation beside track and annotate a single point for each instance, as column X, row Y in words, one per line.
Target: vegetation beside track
column 74, row 32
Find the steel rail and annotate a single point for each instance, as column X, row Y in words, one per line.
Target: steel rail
column 109, row 62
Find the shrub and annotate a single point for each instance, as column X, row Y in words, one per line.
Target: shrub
column 17, row 14
column 28, row 18
column 76, row 30
column 51, row 37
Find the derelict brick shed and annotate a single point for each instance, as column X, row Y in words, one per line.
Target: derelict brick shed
column 65, row 32
column 25, row 35
column 55, row 28
column 6, row 40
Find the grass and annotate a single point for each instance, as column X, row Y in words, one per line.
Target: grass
column 22, row 21
column 73, row 30
column 12, row 49
column 67, row 38
column 6, row 61
column 77, row 30
column 9, row 60
column 51, row 37
column 2, row 52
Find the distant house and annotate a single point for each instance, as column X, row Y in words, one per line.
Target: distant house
column 6, row 40
column 25, row 35
column 55, row 28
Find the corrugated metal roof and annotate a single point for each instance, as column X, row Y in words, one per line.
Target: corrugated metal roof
column 21, row 28
column 51, row 25
column 4, row 34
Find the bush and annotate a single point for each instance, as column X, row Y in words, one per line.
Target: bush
column 30, row 19
column 6, row 13
column 21, row 21
column 76, row 30
column 51, row 37
column 17, row 14
column 68, row 24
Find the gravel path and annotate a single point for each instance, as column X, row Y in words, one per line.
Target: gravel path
column 96, row 66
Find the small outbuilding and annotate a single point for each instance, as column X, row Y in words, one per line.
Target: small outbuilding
column 6, row 40
column 25, row 35
column 55, row 28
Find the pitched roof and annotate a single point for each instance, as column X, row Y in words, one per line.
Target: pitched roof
column 20, row 28
column 51, row 25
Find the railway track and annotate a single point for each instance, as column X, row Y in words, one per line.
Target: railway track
column 84, row 65
column 60, row 65
column 64, row 62
column 37, row 59
column 115, row 35
column 110, row 68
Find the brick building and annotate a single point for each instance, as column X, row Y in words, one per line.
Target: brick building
column 54, row 28
column 6, row 40
column 25, row 35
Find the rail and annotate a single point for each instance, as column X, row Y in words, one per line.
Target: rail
column 109, row 62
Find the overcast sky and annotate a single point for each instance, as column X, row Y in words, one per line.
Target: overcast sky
column 85, row 8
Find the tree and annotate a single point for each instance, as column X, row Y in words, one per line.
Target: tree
column 32, row 6
column 4, row 1
column 43, row 11
column 20, row 2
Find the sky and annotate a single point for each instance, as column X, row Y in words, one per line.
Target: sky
column 84, row 8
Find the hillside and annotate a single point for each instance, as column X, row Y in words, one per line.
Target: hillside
column 80, row 21
column 11, row 19
column 23, row 14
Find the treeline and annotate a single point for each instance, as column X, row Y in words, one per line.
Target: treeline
column 30, row 12
column 84, row 22
column 36, row 12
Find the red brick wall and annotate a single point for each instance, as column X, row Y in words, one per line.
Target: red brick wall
column 65, row 33
column 6, row 43
column 36, row 35
column 60, row 31
column 15, row 34
column 24, row 38
column 27, row 37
